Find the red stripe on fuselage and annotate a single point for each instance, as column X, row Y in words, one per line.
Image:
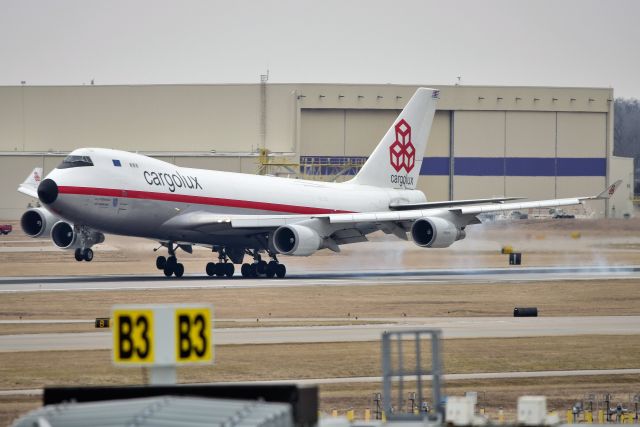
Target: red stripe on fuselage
column 199, row 200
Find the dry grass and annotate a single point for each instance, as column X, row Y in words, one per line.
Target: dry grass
column 265, row 362
column 557, row 298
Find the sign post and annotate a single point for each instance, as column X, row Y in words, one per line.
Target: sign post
column 161, row 337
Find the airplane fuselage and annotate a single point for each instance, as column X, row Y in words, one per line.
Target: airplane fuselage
column 132, row 194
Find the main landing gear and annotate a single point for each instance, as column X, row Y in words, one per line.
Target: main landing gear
column 261, row 268
column 222, row 268
column 85, row 254
column 170, row 265
column 227, row 257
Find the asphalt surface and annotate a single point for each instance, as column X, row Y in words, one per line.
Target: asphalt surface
column 320, row 278
column 457, row 327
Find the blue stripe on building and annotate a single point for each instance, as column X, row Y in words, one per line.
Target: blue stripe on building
column 435, row 166
column 570, row 166
column 478, row 166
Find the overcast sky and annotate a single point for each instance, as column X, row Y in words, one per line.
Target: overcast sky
column 489, row 42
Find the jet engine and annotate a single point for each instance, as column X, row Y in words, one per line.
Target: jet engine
column 37, row 222
column 296, row 240
column 435, row 233
column 65, row 236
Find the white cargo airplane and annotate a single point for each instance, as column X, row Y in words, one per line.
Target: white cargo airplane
column 95, row 191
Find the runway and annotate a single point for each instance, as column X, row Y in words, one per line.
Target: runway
column 456, row 327
column 319, row 278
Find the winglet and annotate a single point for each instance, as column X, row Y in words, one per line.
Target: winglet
column 30, row 184
column 606, row 194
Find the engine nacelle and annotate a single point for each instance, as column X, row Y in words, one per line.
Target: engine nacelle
column 65, row 236
column 296, row 240
column 37, row 222
column 435, row 233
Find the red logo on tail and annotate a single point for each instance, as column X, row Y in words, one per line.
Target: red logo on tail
column 402, row 153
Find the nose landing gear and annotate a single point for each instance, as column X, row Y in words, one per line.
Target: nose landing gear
column 85, row 254
column 86, row 238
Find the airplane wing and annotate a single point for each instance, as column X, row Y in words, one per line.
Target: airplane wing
column 30, row 184
column 449, row 203
column 352, row 227
column 472, row 210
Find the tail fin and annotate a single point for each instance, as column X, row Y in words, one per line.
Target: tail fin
column 396, row 161
column 30, row 184
column 608, row 192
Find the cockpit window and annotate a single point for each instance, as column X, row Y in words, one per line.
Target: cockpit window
column 75, row 162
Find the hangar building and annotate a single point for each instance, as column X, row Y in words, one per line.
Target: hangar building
column 534, row 142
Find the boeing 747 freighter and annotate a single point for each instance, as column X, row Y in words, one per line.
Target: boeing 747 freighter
column 97, row 191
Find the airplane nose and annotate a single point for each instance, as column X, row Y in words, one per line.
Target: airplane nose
column 48, row 191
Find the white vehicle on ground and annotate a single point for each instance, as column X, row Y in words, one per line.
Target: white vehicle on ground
column 97, row 191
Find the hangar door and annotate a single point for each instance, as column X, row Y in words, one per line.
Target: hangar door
column 338, row 132
column 531, row 154
column 334, row 132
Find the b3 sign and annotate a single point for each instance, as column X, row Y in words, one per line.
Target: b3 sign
column 193, row 335
column 162, row 335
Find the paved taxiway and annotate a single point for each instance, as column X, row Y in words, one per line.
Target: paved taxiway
column 456, row 327
column 319, row 278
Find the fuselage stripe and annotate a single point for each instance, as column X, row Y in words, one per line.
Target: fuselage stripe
column 200, row 200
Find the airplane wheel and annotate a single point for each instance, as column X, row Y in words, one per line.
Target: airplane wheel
column 220, row 269
column 161, row 262
column 261, row 267
column 281, row 271
column 253, row 270
column 211, row 269
column 78, row 255
column 87, row 254
column 271, row 269
column 229, row 269
column 168, row 271
column 179, row 271
column 245, row 270
column 171, row 263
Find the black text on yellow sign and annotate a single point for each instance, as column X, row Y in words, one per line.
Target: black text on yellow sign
column 193, row 335
column 133, row 339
